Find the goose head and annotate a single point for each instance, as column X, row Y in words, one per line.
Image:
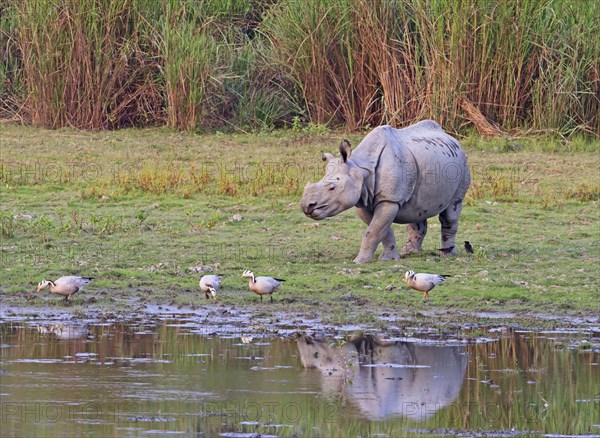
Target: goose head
column 247, row 274
column 42, row 284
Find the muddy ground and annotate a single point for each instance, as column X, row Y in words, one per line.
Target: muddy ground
column 226, row 320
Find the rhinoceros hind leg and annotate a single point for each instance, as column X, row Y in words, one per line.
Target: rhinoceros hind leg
column 416, row 234
column 449, row 220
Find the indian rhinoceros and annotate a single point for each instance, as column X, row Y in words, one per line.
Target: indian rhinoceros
column 401, row 176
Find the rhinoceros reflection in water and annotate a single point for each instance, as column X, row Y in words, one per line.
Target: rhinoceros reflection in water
column 388, row 379
column 64, row 331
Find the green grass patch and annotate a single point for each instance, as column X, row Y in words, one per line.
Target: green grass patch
column 74, row 203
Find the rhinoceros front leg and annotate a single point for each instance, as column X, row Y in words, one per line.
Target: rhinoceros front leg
column 449, row 220
column 416, row 234
column 390, row 250
column 378, row 229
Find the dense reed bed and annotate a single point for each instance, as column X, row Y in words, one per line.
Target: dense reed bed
column 499, row 67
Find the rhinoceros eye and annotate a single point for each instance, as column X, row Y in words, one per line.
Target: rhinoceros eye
column 331, row 188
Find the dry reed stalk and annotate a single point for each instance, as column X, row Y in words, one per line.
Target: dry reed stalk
column 483, row 126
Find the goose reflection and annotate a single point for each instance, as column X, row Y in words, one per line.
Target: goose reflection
column 64, row 331
column 388, row 379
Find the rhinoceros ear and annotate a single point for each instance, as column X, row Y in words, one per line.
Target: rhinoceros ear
column 345, row 150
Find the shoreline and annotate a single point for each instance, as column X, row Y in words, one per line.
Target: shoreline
column 227, row 320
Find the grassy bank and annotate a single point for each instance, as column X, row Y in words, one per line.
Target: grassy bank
column 255, row 64
column 143, row 211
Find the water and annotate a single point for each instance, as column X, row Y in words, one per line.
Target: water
column 170, row 377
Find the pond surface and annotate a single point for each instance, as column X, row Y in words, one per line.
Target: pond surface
column 175, row 377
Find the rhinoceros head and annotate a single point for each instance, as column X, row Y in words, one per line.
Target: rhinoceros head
column 339, row 190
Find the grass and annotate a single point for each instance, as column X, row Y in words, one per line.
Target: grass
column 143, row 210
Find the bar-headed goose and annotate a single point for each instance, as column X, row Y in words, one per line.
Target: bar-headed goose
column 210, row 284
column 65, row 286
column 262, row 285
column 423, row 282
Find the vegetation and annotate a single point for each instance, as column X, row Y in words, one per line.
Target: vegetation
column 146, row 212
column 256, row 64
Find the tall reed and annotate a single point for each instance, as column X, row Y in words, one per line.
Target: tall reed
column 215, row 70
column 200, row 42
column 566, row 93
column 517, row 65
column 196, row 64
column 11, row 77
column 89, row 68
column 258, row 95
column 317, row 45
